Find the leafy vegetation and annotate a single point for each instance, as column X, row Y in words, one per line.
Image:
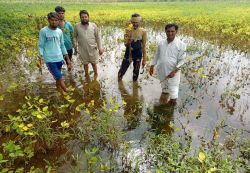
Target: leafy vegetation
column 37, row 125
column 22, row 21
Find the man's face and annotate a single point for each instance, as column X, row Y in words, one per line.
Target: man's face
column 135, row 25
column 53, row 22
column 84, row 19
column 61, row 15
column 171, row 32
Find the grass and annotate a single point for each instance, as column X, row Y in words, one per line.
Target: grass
column 228, row 22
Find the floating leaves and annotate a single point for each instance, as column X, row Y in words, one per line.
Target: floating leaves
column 80, row 107
column 45, row 108
column 212, row 170
column 12, row 87
column 41, row 100
column 201, row 157
column 64, row 124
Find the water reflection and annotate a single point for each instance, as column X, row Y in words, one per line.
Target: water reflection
column 71, row 79
column 161, row 115
column 133, row 108
column 92, row 90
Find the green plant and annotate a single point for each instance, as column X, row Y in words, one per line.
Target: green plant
column 14, row 151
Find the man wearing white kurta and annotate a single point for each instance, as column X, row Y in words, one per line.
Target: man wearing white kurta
column 87, row 36
column 168, row 60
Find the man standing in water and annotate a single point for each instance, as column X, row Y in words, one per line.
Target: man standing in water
column 67, row 30
column 168, row 59
column 135, row 42
column 52, row 49
column 89, row 42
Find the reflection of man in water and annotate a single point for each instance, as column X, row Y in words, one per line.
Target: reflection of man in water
column 92, row 91
column 133, row 108
column 161, row 115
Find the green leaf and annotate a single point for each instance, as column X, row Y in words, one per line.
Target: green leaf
column 12, row 155
column 67, row 97
column 29, row 152
column 19, row 170
column 3, row 161
column 78, row 108
column 93, row 160
column 71, row 101
column 26, row 97
column 4, row 170
column 19, row 110
column 7, row 128
column 12, row 87
column 41, row 100
column 45, row 108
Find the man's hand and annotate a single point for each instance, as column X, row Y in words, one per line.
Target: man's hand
column 39, row 63
column 172, row 74
column 69, row 63
column 143, row 62
column 61, row 24
column 101, row 51
column 128, row 43
column 151, row 70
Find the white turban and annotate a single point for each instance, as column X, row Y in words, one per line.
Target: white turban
column 136, row 19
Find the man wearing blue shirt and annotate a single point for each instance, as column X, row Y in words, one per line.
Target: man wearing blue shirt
column 67, row 30
column 52, row 49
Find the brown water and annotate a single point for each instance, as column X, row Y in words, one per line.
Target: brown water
column 219, row 90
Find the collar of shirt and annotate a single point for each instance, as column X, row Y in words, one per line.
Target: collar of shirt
column 172, row 42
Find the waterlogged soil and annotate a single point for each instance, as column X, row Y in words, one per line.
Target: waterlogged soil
column 214, row 88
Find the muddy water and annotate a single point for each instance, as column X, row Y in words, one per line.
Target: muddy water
column 214, row 87
column 218, row 92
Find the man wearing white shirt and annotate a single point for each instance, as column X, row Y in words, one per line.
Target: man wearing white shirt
column 168, row 60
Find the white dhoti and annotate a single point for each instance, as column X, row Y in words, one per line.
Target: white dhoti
column 171, row 86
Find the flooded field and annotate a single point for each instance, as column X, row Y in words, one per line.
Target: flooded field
column 108, row 123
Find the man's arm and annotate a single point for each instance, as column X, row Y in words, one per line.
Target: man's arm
column 98, row 40
column 62, row 46
column 127, row 36
column 41, row 43
column 71, row 32
column 75, row 35
column 144, row 47
column 64, row 52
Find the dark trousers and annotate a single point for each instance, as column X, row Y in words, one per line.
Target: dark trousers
column 125, row 65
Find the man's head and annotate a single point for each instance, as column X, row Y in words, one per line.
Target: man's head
column 135, row 20
column 84, row 16
column 171, row 30
column 61, row 11
column 53, row 19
